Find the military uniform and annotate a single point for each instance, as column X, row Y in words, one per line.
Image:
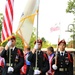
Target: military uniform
column 64, row 61
column 64, row 64
column 17, row 60
column 42, row 62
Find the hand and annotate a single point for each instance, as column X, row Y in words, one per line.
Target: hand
column 36, row 46
column 37, row 71
column 10, row 69
column 54, row 67
column 9, row 43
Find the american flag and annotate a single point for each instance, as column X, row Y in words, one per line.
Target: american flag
column 8, row 20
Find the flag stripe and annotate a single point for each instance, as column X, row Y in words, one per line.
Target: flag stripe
column 7, row 25
column 5, row 28
column 8, row 20
column 11, row 8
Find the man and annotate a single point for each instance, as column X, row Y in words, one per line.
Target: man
column 14, row 58
column 51, row 54
column 64, row 65
column 42, row 60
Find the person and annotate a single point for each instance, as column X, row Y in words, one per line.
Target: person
column 41, row 58
column 64, row 65
column 2, row 60
column 51, row 54
column 26, row 66
column 28, row 63
column 14, row 58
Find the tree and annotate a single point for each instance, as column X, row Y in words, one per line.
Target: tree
column 33, row 38
column 19, row 43
column 71, row 7
column 70, row 44
column 1, row 20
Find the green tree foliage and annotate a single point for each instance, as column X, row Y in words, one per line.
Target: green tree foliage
column 1, row 20
column 33, row 38
column 71, row 7
column 19, row 43
column 70, row 44
column 45, row 44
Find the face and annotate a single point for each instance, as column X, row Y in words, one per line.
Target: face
column 39, row 46
column 49, row 52
column 62, row 46
column 13, row 42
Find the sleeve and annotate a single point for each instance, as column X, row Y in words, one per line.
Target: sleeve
column 31, row 57
column 46, row 64
column 21, row 61
column 3, row 53
column 70, row 68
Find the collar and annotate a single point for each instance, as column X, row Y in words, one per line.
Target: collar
column 62, row 52
column 12, row 48
column 51, row 54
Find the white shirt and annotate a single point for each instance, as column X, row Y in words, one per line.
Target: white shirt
column 62, row 52
column 12, row 48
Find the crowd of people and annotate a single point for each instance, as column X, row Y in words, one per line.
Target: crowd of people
column 15, row 61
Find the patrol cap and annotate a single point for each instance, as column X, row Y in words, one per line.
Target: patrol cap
column 38, row 41
column 62, row 41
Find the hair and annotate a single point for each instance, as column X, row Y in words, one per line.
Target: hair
column 28, row 48
column 51, row 49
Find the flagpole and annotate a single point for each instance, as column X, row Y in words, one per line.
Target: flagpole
column 57, row 46
column 37, row 31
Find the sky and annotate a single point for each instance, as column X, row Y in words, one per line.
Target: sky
column 51, row 13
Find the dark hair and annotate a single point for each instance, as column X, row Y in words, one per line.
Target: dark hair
column 51, row 49
column 28, row 48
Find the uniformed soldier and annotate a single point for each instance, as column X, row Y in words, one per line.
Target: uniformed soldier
column 42, row 60
column 64, row 65
column 14, row 58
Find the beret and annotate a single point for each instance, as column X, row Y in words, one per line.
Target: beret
column 62, row 41
column 38, row 41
